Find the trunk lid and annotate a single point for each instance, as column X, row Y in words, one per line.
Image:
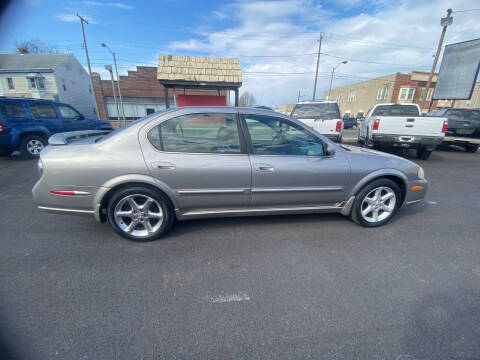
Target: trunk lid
column 77, row 137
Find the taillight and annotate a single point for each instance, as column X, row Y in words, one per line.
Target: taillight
column 1, row 128
column 339, row 126
column 445, row 126
column 376, row 123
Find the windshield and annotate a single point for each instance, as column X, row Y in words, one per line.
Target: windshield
column 325, row 111
column 396, row 110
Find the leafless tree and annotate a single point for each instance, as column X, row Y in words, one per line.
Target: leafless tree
column 34, row 46
column 247, row 99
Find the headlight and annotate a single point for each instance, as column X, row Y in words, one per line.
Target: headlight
column 421, row 173
column 40, row 167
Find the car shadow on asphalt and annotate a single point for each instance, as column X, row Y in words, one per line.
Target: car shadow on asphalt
column 184, row 227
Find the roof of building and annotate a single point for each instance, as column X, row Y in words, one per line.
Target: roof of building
column 31, row 61
column 178, row 68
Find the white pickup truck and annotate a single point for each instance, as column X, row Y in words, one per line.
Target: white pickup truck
column 322, row 116
column 401, row 125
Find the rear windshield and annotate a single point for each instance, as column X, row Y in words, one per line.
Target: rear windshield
column 325, row 111
column 471, row 115
column 437, row 112
column 396, row 110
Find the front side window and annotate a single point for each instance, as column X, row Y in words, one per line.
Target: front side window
column 10, row 109
column 69, row 113
column 43, row 111
column 275, row 136
column 197, row 133
column 10, row 84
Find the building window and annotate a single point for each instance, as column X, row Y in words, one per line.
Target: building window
column 36, row 82
column 352, row 96
column 10, row 84
column 63, row 85
column 339, row 97
column 406, row 93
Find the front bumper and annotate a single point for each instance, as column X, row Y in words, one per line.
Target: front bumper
column 408, row 141
column 416, row 191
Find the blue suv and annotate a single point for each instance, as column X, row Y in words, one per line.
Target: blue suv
column 26, row 124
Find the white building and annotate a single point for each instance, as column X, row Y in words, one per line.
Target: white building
column 58, row 77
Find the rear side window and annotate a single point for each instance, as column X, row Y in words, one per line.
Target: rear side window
column 396, row 110
column 325, row 111
column 68, row 113
column 10, row 109
column 197, row 133
column 43, row 111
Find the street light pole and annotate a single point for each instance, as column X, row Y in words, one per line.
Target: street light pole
column 118, row 81
column 331, row 79
column 109, row 69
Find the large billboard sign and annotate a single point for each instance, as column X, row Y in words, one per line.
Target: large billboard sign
column 459, row 69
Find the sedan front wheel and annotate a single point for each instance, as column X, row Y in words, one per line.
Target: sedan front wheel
column 377, row 203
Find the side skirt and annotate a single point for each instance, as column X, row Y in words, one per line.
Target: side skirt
column 212, row 213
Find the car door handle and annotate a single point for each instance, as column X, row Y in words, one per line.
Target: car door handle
column 164, row 166
column 264, row 167
column 37, row 121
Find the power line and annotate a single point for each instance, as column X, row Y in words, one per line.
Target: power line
column 468, row 10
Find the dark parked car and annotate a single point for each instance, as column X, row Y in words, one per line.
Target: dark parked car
column 349, row 122
column 464, row 122
column 26, row 124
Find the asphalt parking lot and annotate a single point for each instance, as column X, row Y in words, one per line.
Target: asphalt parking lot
column 275, row 287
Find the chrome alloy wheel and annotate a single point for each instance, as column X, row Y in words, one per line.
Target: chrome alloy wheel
column 379, row 204
column 138, row 215
column 34, row 147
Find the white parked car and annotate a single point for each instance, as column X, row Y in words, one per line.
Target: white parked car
column 401, row 125
column 322, row 116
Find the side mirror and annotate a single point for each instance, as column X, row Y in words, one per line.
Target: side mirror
column 82, row 117
column 330, row 150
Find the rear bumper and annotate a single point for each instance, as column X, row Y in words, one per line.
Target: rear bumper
column 407, row 141
column 6, row 143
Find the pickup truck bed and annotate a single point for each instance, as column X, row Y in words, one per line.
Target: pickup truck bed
column 401, row 125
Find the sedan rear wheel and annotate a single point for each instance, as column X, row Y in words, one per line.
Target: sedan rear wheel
column 140, row 214
column 377, row 203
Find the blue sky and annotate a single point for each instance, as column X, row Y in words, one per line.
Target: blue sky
column 276, row 40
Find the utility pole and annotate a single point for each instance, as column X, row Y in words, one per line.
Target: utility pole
column 118, row 81
column 445, row 22
column 82, row 20
column 318, row 62
column 109, row 69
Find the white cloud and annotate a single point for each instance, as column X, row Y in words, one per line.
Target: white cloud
column 394, row 37
column 118, row 5
column 65, row 17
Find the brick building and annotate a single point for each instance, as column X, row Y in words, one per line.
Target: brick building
column 143, row 94
column 395, row 88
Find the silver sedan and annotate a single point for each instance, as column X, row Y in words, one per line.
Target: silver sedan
column 197, row 162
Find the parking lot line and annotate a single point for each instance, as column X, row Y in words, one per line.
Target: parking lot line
column 240, row 296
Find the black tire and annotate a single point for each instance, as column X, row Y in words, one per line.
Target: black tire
column 423, row 154
column 4, row 153
column 356, row 212
column 471, row 148
column 162, row 201
column 24, row 146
